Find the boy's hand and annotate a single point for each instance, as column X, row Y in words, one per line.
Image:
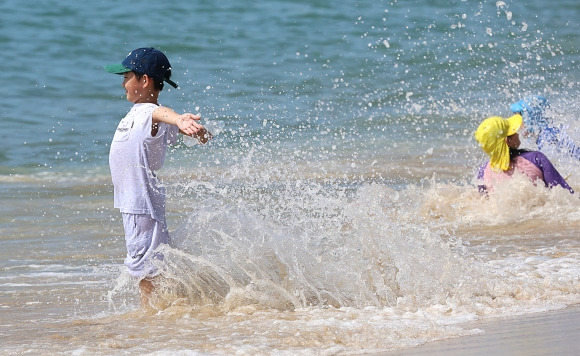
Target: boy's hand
column 188, row 125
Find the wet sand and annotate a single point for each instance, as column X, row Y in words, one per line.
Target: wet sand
column 550, row 333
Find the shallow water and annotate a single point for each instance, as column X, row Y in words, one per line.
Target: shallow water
column 335, row 212
column 290, row 268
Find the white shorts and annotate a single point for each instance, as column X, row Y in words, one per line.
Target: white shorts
column 143, row 235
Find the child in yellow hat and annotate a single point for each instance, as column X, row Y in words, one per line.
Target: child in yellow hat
column 499, row 139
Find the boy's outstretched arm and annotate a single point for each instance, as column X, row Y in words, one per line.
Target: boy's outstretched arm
column 188, row 123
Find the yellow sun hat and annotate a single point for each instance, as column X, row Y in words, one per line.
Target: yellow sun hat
column 491, row 135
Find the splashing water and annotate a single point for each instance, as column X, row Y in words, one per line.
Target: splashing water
column 288, row 244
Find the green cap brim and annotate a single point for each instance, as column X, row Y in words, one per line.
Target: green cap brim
column 117, row 69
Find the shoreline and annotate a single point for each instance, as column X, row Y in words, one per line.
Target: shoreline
column 548, row 333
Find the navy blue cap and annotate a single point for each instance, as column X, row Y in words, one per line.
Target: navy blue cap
column 148, row 61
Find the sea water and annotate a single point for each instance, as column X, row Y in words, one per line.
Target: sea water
column 335, row 210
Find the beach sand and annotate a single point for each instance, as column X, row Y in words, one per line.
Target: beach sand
column 550, row 333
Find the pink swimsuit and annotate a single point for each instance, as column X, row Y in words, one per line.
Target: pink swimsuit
column 520, row 163
column 533, row 164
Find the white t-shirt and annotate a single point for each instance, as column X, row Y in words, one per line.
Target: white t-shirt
column 134, row 157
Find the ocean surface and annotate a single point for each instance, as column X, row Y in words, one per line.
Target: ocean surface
column 335, row 212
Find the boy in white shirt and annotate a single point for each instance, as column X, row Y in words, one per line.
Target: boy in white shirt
column 137, row 151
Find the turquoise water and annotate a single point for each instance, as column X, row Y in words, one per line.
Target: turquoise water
column 336, row 205
column 275, row 68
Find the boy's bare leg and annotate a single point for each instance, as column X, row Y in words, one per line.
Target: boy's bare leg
column 146, row 287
